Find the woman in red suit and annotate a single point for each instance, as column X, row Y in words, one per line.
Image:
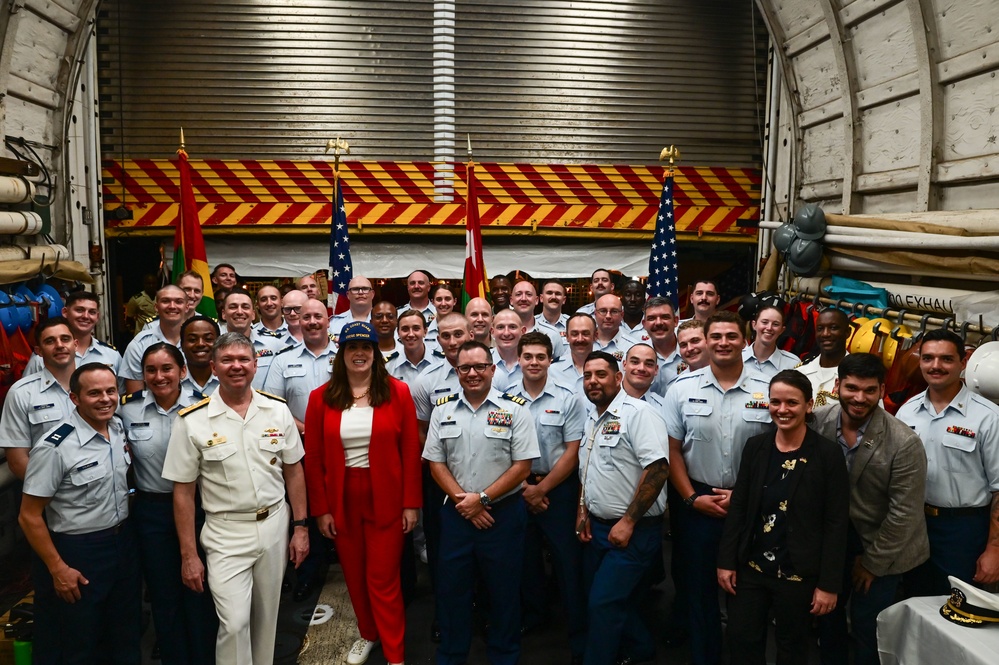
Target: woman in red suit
column 362, row 465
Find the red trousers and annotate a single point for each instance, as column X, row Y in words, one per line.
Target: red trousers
column 370, row 556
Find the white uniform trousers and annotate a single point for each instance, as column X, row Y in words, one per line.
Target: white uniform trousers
column 246, row 563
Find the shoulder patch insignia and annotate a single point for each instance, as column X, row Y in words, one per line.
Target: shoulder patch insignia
column 448, row 398
column 392, row 356
column 132, row 397
column 439, row 354
column 274, row 397
column 194, row 407
column 287, row 348
column 60, row 433
column 515, row 399
column 105, row 344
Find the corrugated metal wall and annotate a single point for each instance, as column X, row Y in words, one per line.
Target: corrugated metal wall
column 534, row 80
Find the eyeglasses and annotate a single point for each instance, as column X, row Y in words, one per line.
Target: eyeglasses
column 291, row 310
column 479, row 368
column 360, row 290
column 608, row 312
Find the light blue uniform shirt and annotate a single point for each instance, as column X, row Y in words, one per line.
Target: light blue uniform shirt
column 588, row 308
column 34, row 405
column 431, row 385
column 505, row 375
column 962, row 448
column 147, row 430
column 617, row 446
column 83, row 474
column 266, row 346
column 280, row 331
column 131, row 362
column 296, row 372
column 97, row 352
column 401, row 368
column 714, row 424
column 558, row 418
column 559, row 348
column 559, row 326
column 618, row 346
column 480, row 445
column 189, row 385
column 340, row 320
column 777, row 362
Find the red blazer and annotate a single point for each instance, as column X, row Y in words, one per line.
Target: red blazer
column 394, row 457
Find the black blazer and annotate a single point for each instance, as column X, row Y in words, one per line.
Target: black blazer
column 818, row 509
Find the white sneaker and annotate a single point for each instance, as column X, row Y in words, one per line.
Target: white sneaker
column 360, row 651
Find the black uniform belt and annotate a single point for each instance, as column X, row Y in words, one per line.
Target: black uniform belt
column 648, row 520
column 93, row 535
column 934, row 511
column 159, row 497
column 536, row 478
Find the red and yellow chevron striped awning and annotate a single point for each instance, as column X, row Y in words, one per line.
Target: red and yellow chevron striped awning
column 401, row 197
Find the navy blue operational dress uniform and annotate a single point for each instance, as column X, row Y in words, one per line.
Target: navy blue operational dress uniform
column 713, row 425
column 623, row 439
column 186, row 623
column 558, row 419
column 962, row 461
column 78, row 474
column 478, row 446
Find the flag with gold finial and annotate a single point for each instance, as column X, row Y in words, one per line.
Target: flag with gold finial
column 188, row 242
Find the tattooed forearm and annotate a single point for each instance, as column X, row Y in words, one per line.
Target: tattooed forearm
column 652, row 484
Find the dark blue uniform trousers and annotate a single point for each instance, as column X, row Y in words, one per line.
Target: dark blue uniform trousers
column 104, row 626
column 699, row 551
column 956, row 542
column 186, row 622
column 498, row 553
column 557, row 526
column 611, row 577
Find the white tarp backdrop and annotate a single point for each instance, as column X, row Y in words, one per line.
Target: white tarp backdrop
column 542, row 258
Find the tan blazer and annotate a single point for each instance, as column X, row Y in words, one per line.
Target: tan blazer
column 887, row 490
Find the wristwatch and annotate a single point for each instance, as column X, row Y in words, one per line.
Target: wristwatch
column 295, row 523
column 689, row 501
column 484, row 499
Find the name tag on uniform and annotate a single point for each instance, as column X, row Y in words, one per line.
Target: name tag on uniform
column 695, row 400
column 39, row 407
column 86, row 466
column 216, row 441
column 442, row 390
column 139, row 425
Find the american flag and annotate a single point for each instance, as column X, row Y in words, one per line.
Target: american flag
column 341, row 267
column 663, row 275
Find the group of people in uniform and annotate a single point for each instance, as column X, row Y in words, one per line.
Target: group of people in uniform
column 539, row 431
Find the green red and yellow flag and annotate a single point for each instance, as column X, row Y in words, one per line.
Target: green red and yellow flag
column 474, row 284
column 188, row 242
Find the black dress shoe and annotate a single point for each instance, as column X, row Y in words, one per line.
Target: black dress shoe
column 302, row 591
column 435, row 633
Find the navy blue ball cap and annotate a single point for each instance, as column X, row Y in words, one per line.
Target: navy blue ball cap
column 358, row 331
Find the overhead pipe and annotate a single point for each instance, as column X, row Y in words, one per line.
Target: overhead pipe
column 898, row 239
column 16, row 190
column 35, row 252
column 18, row 223
column 842, row 263
column 914, row 297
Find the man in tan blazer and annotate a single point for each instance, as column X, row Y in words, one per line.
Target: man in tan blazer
column 887, row 534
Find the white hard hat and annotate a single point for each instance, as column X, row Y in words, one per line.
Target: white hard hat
column 982, row 373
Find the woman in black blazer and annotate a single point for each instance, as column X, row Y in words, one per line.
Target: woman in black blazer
column 784, row 539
